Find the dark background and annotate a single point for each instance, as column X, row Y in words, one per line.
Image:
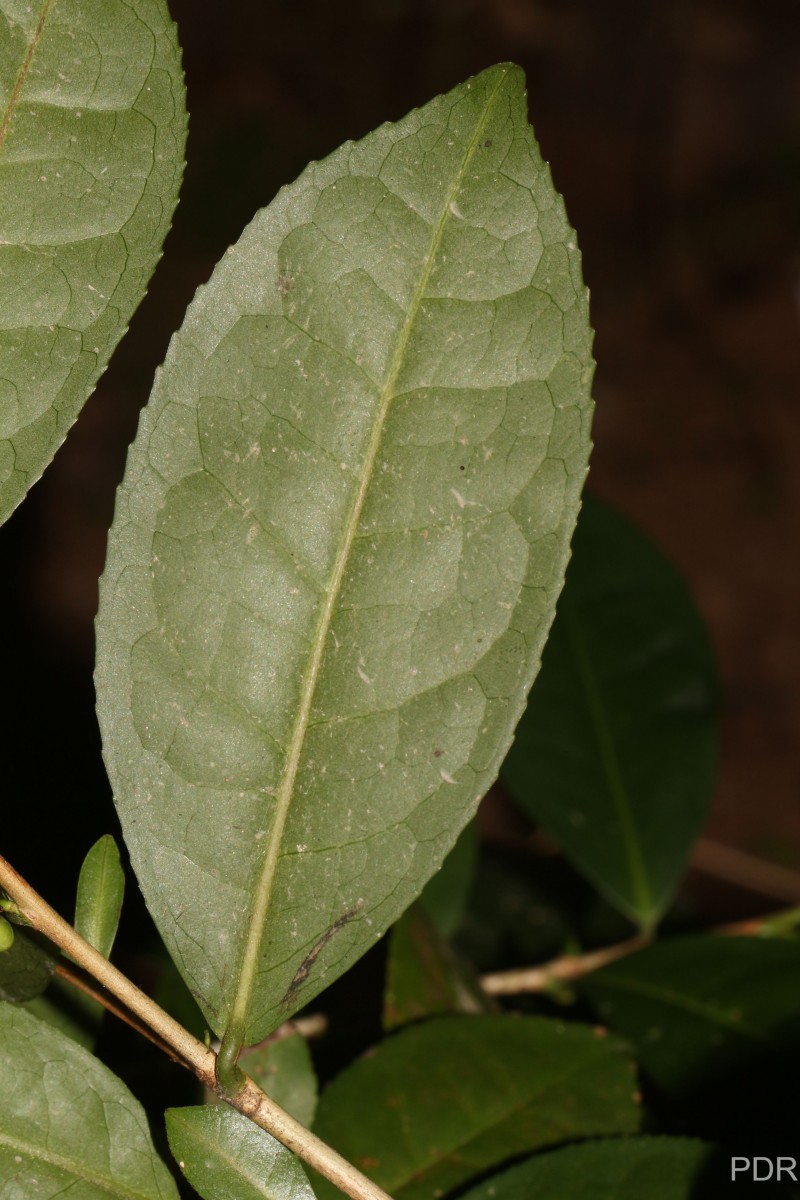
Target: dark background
column 673, row 131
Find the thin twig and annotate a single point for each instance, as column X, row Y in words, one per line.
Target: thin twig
column 558, row 970
column 77, row 980
column 249, row 1100
column 523, row 980
column 746, row 870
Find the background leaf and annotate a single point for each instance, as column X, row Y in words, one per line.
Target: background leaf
column 101, row 888
column 67, row 1125
column 646, row 1168
column 424, row 975
column 25, row 968
column 446, row 893
column 615, row 754
column 226, row 1157
column 92, row 129
column 716, row 1025
column 69, row 1011
column 338, row 545
column 443, row 1101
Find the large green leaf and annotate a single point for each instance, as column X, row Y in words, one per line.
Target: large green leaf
column 445, row 1100
column 338, row 545
column 716, row 1025
column 92, row 128
column 226, row 1157
column 615, row 753
column 67, row 1125
column 646, row 1168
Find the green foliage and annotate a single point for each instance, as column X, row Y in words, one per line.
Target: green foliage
column 445, row 1100
column 67, row 1125
column 335, row 559
column 425, row 975
column 25, row 967
column 338, row 546
column 101, row 888
column 715, row 1024
column 615, row 755
column 226, row 1157
column 92, row 128
column 446, row 894
column 622, row 1169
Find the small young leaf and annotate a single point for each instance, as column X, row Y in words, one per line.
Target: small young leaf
column 338, row 545
column 6, row 935
column 642, row 1168
column 226, row 1157
column 284, row 1070
column 92, row 128
column 715, row 1023
column 615, row 754
column 425, row 976
column 442, row 1101
column 67, row 1125
column 25, row 969
column 101, row 887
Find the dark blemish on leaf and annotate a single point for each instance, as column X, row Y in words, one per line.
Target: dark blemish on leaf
column 304, row 970
column 284, row 284
column 462, row 468
column 488, row 143
column 438, row 753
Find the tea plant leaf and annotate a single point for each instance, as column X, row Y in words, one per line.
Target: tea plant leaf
column 715, row 1024
column 226, row 1157
column 337, row 548
column 101, row 888
column 615, row 754
column 67, row 1125
column 424, row 975
column 25, row 969
column 659, row 1168
column 445, row 1100
column 92, row 128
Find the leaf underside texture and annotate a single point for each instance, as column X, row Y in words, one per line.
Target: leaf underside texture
column 338, row 545
column 68, row 1127
column 92, row 130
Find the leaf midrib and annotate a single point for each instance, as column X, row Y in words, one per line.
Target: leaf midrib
column 246, row 975
column 19, row 82
column 78, row 1170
